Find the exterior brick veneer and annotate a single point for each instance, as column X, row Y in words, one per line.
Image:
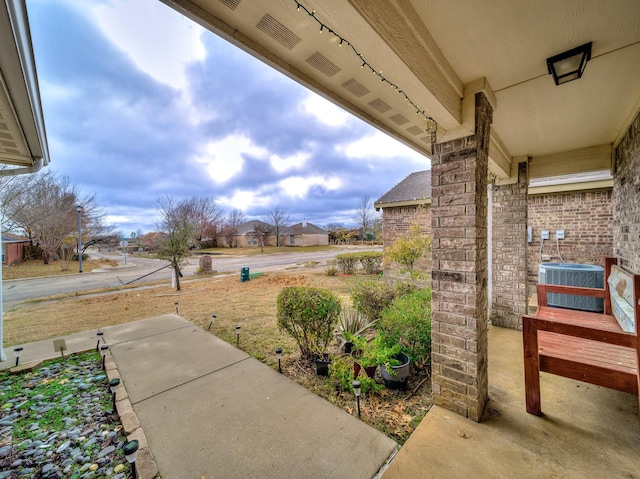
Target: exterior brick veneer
column 585, row 217
column 509, row 252
column 459, row 277
column 626, row 208
column 398, row 221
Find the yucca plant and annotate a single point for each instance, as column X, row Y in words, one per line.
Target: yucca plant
column 351, row 324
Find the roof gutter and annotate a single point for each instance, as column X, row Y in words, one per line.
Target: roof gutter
column 37, row 166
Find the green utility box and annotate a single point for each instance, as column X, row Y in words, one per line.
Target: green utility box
column 244, row 274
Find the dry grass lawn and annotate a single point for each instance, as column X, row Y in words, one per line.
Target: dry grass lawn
column 251, row 305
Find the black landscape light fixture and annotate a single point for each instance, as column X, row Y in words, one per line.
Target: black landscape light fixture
column 79, row 209
column 279, row 356
column 238, row 335
column 569, row 65
column 113, row 386
column 103, row 350
column 130, row 451
column 100, row 336
column 17, row 352
column 176, row 305
column 213, row 318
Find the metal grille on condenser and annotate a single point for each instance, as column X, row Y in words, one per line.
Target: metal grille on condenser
column 323, row 64
column 353, row 86
column 278, row 32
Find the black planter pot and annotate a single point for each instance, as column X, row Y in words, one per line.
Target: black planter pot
column 322, row 365
column 348, row 347
column 397, row 379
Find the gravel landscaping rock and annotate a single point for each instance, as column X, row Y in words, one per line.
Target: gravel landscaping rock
column 58, row 422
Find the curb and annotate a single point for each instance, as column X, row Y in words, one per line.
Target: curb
column 145, row 464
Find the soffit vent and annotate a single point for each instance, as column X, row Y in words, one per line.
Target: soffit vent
column 278, row 32
column 414, row 130
column 399, row 119
column 379, row 105
column 323, row 64
column 358, row 89
column 232, row 4
column 427, row 139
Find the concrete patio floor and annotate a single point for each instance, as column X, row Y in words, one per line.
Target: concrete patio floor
column 586, row 431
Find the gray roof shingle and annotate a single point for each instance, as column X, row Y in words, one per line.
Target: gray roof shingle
column 415, row 187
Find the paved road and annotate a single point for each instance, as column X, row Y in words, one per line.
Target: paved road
column 16, row 292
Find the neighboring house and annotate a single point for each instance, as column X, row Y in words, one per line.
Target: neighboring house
column 306, row 234
column 248, row 234
column 13, row 248
column 406, row 204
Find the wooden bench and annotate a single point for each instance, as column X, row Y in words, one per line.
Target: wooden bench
column 597, row 348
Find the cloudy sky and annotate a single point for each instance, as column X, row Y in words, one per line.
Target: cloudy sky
column 140, row 102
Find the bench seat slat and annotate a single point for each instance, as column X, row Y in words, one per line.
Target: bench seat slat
column 594, row 353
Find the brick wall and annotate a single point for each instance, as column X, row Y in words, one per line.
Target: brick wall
column 398, row 221
column 459, row 276
column 626, row 208
column 586, row 218
column 509, row 252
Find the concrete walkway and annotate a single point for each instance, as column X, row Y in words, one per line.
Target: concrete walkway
column 209, row 410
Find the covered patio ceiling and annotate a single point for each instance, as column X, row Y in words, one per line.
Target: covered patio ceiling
column 398, row 64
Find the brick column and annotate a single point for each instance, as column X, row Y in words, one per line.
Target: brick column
column 459, row 277
column 509, row 252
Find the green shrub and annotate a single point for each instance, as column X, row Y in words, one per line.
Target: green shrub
column 370, row 297
column 407, row 321
column 309, row 315
column 371, row 261
column 347, row 262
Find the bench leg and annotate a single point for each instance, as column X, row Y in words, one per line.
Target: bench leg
column 531, row 367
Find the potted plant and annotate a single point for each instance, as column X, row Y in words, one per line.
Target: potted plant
column 364, row 356
column 322, row 364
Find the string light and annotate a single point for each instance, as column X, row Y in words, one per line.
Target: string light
column 432, row 125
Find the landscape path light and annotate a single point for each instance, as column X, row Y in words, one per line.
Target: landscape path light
column 176, row 305
column 17, row 352
column 113, row 385
column 103, row 351
column 213, row 318
column 130, row 451
column 279, row 356
column 356, row 390
column 100, row 336
column 238, row 335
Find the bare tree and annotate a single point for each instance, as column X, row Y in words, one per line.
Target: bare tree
column 279, row 219
column 262, row 233
column 230, row 228
column 364, row 215
column 204, row 214
column 12, row 190
column 178, row 229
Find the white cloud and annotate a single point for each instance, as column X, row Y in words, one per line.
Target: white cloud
column 381, row 146
column 285, row 163
column 298, row 186
column 325, row 111
column 158, row 39
column 224, row 158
